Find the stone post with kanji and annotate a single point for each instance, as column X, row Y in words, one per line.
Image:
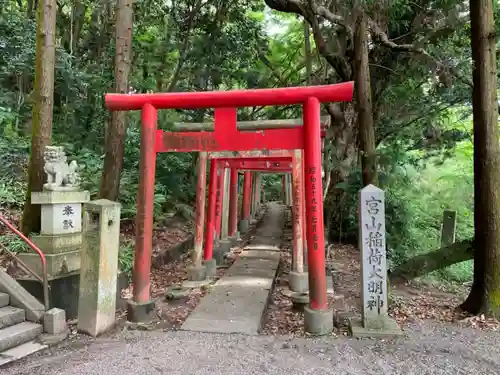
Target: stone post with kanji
column 61, row 201
column 375, row 321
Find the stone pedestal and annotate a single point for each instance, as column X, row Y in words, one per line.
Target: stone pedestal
column 221, row 250
column 298, row 281
column 318, row 322
column 375, row 322
column 64, row 290
column 210, row 268
column 60, row 237
column 196, row 273
column 99, row 267
column 244, row 225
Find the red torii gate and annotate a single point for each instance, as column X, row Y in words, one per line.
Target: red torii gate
column 273, row 163
column 214, row 217
column 226, row 137
column 266, row 164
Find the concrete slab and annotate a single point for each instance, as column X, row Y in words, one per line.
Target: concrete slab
column 4, row 299
column 20, row 351
column 390, row 330
column 10, row 315
column 262, row 247
column 237, row 301
column 17, row 334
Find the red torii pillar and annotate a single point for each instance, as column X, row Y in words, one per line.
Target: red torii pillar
column 318, row 317
column 264, row 164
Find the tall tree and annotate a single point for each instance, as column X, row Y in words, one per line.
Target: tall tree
column 115, row 139
column 43, row 102
column 400, row 31
column 364, row 101
column 485, row 291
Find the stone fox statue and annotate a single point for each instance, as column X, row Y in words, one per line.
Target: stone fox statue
column 59, row 173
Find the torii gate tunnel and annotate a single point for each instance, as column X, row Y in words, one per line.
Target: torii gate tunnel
column 226, row 137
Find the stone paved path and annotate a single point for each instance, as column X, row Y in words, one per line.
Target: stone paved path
column 236, row 303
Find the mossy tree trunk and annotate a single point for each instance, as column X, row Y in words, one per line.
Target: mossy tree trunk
column 424, row 264
column 116, row 132
column 43, row 102
column 485, row 292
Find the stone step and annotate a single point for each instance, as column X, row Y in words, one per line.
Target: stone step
column 18, row 334
column 20, row 351
column 10, row 315
column 4, row 299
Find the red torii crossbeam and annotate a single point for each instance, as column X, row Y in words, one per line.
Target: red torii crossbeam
column 226, row 137
column 271, row 167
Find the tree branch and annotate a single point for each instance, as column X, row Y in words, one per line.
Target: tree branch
column 379, row 36
column 309, row 12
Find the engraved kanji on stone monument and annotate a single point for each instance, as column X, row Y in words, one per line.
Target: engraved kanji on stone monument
column 373, row 258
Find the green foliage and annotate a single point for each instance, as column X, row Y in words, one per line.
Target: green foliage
column 126, row 258
column 13, row 243
column 273, row 187
column 423, row 144
column 174, row 48
column 417, row 192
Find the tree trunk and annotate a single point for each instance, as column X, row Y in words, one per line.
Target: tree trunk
column 43, row 96
column 441, row 258
column 364, row 102
column 115, row 139
column 343, row 152
column 485, row 292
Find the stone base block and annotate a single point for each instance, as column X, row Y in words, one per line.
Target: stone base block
column 218, row 255
column 225, row 245
column 54, row 321
column 57, row 264
column 196, row 273
column 61, row 243
column 177, row 292
column 318, row 322
column 390, row 330
column 300, row 300
column 298, row 282
column 233, row 241
column 140, row 312
column 244, row 225
column 64, row 291
column 210, row 267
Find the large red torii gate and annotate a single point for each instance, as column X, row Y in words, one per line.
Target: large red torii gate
column 226, row 137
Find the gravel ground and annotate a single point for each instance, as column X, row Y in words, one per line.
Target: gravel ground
column 428, row 349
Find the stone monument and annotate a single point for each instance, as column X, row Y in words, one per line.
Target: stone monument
column 60, row 236
column 99, row 272
column 375, row 322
